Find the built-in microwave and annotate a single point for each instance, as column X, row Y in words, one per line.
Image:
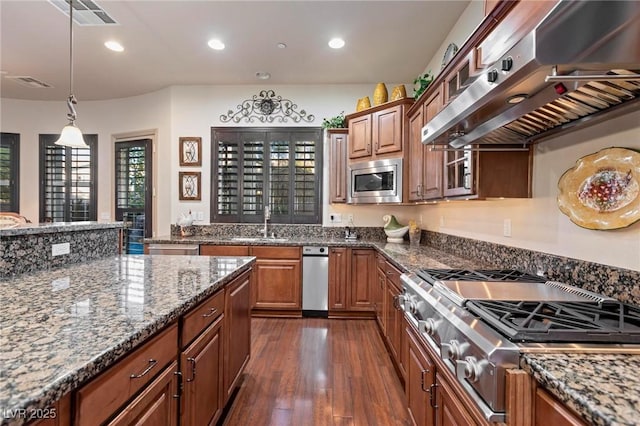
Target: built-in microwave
column 375, row 182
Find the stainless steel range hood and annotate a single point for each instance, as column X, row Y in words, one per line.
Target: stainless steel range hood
column 579, row 65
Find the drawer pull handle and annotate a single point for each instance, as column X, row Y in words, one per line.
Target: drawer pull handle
column 212, row 312
column 193, row 369
column 422, row 382
column 152, row 363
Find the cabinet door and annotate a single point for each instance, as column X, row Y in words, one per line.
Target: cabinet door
column 237, row 331
column 550, row 411
column 416, row 155
column 202, row 375
column 338, row 278
column 387, row 130
column 278, row 284
column 380, row 290
column 362, row 279
column 458, row 173
column 433, row 160
column 338, row 166
column 450, row 411
column 393, row 315
column 156, row 405
column 360, row 137
column 420, row 378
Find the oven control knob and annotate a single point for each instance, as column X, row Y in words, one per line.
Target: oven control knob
column 430, row 326
column 472, row 369
column 507, row 64
column 492, row 76
column 453, row 350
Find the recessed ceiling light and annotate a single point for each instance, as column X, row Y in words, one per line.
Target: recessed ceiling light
column 261, row 75
column 281, row 46
column 216, row 44
column 114, row 45
column 336, row 43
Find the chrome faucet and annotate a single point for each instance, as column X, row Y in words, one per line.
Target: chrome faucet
column 267, row 216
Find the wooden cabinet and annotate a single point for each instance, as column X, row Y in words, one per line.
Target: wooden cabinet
column 215, row 250
column 549, row 411
column 488, row 174
column 378, row 132
column 456, row 80
column 450, row 409
column 381, row 280
column 156, row 405
column 277, row 280
column 425, row 166
column 202, row 374
column 338, row 165
column 338, row 278
column 421, row 376
column 100, row 398
column 59, row 414
column 237, row 331
column 351, row 282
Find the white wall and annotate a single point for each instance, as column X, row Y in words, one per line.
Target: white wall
column 537, row 223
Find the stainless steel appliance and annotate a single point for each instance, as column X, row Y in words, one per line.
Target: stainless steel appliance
column 315, row 281
column 579, row 65
column 377, row 181
column 186, row 249
column 481, row 321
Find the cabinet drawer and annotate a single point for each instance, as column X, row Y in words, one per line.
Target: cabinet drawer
column 201, row 316
column 213, row 250
column 276, row 252
column 381, row 262
column 102, row 397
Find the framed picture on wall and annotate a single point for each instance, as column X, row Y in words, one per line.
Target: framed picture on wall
column 190, row 151
column 189, row 186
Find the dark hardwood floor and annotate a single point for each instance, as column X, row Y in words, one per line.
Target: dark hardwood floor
column 313, row 371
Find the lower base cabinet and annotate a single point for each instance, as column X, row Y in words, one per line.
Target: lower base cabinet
column 277, row 287
column 549, row 411
column 450, row 411
column 420, row 384
column 156, row 405
column 237, row 332
column 352, row 275
column 202, row 374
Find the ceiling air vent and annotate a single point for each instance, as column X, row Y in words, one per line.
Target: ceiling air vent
column 85, row 12
column 25, row 80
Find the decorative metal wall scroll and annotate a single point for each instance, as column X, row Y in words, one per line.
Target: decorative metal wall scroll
column 190, row 151
column 267, row 107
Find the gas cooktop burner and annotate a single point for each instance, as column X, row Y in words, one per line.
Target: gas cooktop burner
column 432, row 275
column 552, row 322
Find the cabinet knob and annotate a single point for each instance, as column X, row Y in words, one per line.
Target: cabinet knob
column 492, row 76
column 507, row 64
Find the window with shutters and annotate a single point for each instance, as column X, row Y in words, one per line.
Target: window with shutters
column 9, row 172
column 67, row 181
column 253, row 168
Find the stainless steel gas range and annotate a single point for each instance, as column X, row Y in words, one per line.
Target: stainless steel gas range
column 481, row 321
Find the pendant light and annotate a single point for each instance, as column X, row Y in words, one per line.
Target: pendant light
column 71, row 136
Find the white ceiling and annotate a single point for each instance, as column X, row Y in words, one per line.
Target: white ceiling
column 166, row 44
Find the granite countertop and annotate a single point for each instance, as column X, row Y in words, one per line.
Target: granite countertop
column 48, row 228
column 603, row 388
column 64, row 326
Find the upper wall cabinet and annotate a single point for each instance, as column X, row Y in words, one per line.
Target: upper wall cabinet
column 337, row 139
column 378, row 132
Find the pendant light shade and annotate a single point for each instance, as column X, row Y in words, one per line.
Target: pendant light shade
column 71, row 136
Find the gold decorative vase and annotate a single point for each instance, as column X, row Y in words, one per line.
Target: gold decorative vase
column 398, row 92
column 380, row 94
column 363, row 103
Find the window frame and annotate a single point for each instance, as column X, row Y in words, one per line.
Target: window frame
column 239, row 136
column 92, row 141
column 12, row 141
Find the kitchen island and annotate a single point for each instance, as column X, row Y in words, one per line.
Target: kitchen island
column 61, row 328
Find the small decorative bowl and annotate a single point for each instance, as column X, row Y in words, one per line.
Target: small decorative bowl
column 396, row 235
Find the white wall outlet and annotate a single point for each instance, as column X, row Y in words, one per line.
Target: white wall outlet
column 350, row 219
column 105, row 216
column 60, row 249
column 200, row 215
column 335, row 218
column 506, row 228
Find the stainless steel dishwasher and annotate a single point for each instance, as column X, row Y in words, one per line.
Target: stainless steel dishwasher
column 191, row 249
column 315, row 281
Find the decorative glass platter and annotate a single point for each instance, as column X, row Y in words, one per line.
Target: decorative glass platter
column 602, row 191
